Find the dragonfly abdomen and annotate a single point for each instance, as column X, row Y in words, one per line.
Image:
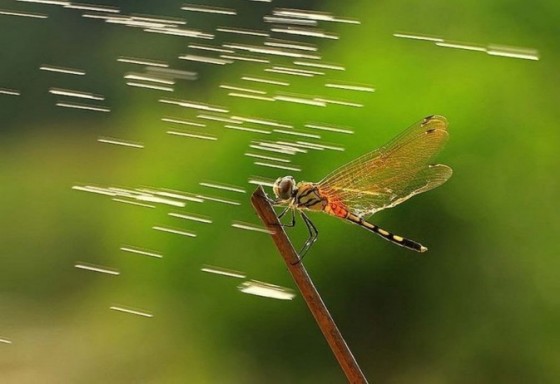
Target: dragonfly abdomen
column 399, row 240
column 336, row 209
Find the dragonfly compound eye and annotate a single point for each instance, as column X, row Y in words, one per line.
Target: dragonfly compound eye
column 283, row 187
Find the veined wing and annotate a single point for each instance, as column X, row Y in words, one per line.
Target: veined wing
column 393, row 173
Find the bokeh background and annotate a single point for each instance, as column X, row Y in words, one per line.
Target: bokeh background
column 482, row 306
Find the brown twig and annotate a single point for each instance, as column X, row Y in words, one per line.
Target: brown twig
column 308, row 291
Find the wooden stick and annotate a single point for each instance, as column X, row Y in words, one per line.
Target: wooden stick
column 308, row 291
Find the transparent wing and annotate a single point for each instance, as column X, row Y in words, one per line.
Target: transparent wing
column 393, row 173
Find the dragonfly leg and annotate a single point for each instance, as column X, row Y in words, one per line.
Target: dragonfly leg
column 271, row 201
column 283, row 212
column 313, row 235
column 292, row 221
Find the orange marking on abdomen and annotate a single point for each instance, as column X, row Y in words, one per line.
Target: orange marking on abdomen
column 336, row 209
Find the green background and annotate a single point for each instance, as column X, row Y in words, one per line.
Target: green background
column 482, row 306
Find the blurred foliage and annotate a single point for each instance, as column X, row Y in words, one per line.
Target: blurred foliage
column 482, row 306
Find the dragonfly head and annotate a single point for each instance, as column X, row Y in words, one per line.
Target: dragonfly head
column 284, row 187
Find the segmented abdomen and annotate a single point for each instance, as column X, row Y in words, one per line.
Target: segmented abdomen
column 336, row 209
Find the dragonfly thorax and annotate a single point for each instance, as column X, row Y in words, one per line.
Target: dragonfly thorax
column 285, row 187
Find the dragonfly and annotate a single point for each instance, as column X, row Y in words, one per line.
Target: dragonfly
column 378, row 180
